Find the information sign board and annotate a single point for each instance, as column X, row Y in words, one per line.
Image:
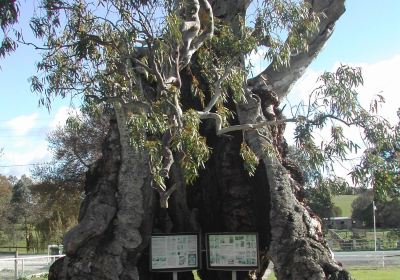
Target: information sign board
column 175, row 252
column 232, row 251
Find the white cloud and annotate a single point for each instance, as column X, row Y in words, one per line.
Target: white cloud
column 257, row 60
column 21, row 125
column 379, row 78
column 61, row 116
column 20, row 160
column 382, row 78
column 26, row 143
column 33, row 153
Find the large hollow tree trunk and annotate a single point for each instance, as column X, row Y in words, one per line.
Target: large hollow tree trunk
column 119, row 212
column 111, row 234
column 297, row 247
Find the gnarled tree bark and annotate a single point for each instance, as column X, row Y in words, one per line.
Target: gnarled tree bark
column 111, row 235
column 120, row 209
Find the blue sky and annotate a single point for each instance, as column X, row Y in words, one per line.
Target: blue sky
column 367, row 35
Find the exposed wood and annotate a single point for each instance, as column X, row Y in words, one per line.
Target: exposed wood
column 282, row 79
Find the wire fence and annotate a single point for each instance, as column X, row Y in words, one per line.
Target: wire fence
column 362, row 244
column 369, row 259
column 12, row 268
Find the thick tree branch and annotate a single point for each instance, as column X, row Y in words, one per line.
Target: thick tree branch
column 282, row 79
column 165, row 195
column 168, row 158
column 197, row 28
column 132, row 105
column 219, row 130
column 241, row 127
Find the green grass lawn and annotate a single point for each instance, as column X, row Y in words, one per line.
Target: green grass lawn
column 371, row 274
column 357, row 274
column 344, row 203
column 376, row 274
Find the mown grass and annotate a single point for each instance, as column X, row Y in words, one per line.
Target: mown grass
column 356, row 273
column 376, row 274
column 369, row 274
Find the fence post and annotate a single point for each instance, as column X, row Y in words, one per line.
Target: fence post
column 16, row 265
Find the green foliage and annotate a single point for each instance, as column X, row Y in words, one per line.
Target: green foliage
column 301, row 158
column 127, row 58
column 320, row 201
column 191, row 145
column 362, row 208
column 394, row 234
column 230, row 44
column 93, row 54
column 335, row 103
column 55, row 210
column 249, row 157
column 380, row 164
column 323, row 196
column 21, row 199
column 335, row 100
column 388, row 214
column 74, row 146
column 9, row 11
column 5, row 206
column 276, row 19
column 172, row 30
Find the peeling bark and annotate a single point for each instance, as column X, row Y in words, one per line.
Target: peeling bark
column 297, row 248
column 120, row 210
column 107, row 242
column 282, row 79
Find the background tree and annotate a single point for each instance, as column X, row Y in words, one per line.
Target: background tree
column 75, row 147
column 319, row 188
column 184, row 113
column 22, row 206
column 55, row 211
column 319, row 198
column 5, row 197
column 362, row 208
column 388, row 214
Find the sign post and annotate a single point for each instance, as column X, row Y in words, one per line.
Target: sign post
column 175, row 252
column 232, row 251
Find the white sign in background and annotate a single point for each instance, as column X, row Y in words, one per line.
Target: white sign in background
column 174, row 252
column 232, row 250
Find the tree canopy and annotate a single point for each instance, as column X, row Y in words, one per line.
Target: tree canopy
column 174, row 78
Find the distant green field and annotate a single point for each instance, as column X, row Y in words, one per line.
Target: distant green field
column 344, row 203
column 370, row 274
